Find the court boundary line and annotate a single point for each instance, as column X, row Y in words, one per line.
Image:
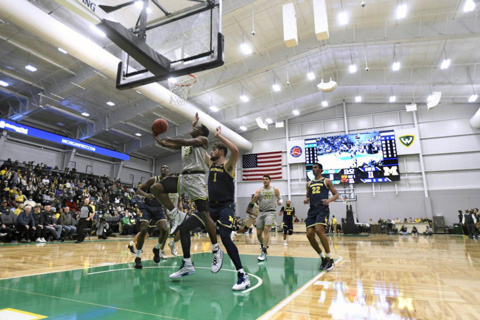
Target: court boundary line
column 259, row 283
column 288, row 299
column 90, row 303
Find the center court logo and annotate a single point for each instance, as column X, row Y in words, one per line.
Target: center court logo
column 296, row 151
column 407, row 140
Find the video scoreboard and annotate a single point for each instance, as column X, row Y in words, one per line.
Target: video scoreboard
column 356, row 158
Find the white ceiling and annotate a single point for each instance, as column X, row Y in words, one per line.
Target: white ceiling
column 431, row 28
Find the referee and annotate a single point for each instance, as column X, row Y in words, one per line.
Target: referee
column 86, row 214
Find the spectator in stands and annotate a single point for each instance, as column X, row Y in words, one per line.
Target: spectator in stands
column 403, row 230
column 25, row 224
column 127, row 227
column 8, row 221
column 67, row 221
column 469, row 220
column 414, row 231
column 40, row 230
column 50, row 222
column 429, row 231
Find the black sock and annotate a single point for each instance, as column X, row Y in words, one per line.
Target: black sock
column 230, row 246
column 188, row 225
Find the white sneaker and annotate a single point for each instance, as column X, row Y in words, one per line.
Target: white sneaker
column 162, row 254
column 177, row 217
column 242, row 283
column 171, row 244
column 185, row 270
column 217, row 261
column 38, row 240
column 43, row 240
column 285, row 243
column 263, row 255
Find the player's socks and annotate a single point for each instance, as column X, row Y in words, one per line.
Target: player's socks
column 139, row 253
column 158, row 245
column 241, row 271
column 215, row 247
column 187, row 260
column 329, row 255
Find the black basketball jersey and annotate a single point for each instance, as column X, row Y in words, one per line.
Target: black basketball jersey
column 221, row 188
column 318, row 192
column 154, row 202
column 288, row 214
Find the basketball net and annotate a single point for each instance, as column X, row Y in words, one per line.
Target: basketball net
column 180, row 87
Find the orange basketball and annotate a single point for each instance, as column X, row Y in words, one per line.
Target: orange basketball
column 159, row 126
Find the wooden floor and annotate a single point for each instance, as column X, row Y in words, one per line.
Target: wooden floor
column 376, row 277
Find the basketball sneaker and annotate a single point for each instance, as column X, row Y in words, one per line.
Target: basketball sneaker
column 185, row 270
column 156, row 255
column 177, row 217
column 263, row 254
column 131, row 248
column 323, row 263
column 138, row 263
column 242, row 283
column 171, row 244
column 329, row 264
column 162, row 254
column 217, row 261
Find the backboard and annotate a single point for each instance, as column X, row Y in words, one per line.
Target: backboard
column 179, row 43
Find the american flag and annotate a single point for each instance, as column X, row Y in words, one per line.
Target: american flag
column 255, row 165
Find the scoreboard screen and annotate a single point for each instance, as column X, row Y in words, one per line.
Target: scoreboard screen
column 369, row 157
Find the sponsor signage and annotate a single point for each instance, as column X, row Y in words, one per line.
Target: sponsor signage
column 295, row 151
column 32, row 132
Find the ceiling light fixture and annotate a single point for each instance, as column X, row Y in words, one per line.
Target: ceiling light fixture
column 243, row 128
column 469, row 6
column 3, row 83
column 138, row 134
column 244, row 98
column 445, row 64
column 324, row 103
column 276, row 87
column 85, row 114
column 352, row 68
column 393, row 99
column 30, row 68
column 296, row 112
column 343, row 18
column 401, row 11
column 110, row 103
column 246, row 48
column 358, row 99
column 472, row 98
column 62, row 50
column 269, row 121
column 214, row 108
column 311, row 76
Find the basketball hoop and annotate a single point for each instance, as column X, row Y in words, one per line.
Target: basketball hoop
column 180, row 87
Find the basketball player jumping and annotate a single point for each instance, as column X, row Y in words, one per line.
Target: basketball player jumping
column 317, row 197
column 221, row 193
column 174, row 198
column 268, row 197
column 191, row 181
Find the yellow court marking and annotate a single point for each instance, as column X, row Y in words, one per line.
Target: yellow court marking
column 14, row 314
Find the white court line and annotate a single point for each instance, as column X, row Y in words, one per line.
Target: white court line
column 294, row 295
column 259, row 283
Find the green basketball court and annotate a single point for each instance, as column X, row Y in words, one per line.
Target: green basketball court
column 121, row 292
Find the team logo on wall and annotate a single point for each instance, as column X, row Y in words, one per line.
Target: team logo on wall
column 296, row 151
column 407, row 140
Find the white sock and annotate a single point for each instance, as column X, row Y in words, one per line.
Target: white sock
column 157, row 246
column 241, row 271
column 322, row 255
column 187, row 260
column 215, row 247
column 329, row 255
column 132, row 243
column 139, row 253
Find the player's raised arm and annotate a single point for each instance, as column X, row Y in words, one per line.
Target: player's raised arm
column 232, row 161
column 307, row 196
column 332, row 189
